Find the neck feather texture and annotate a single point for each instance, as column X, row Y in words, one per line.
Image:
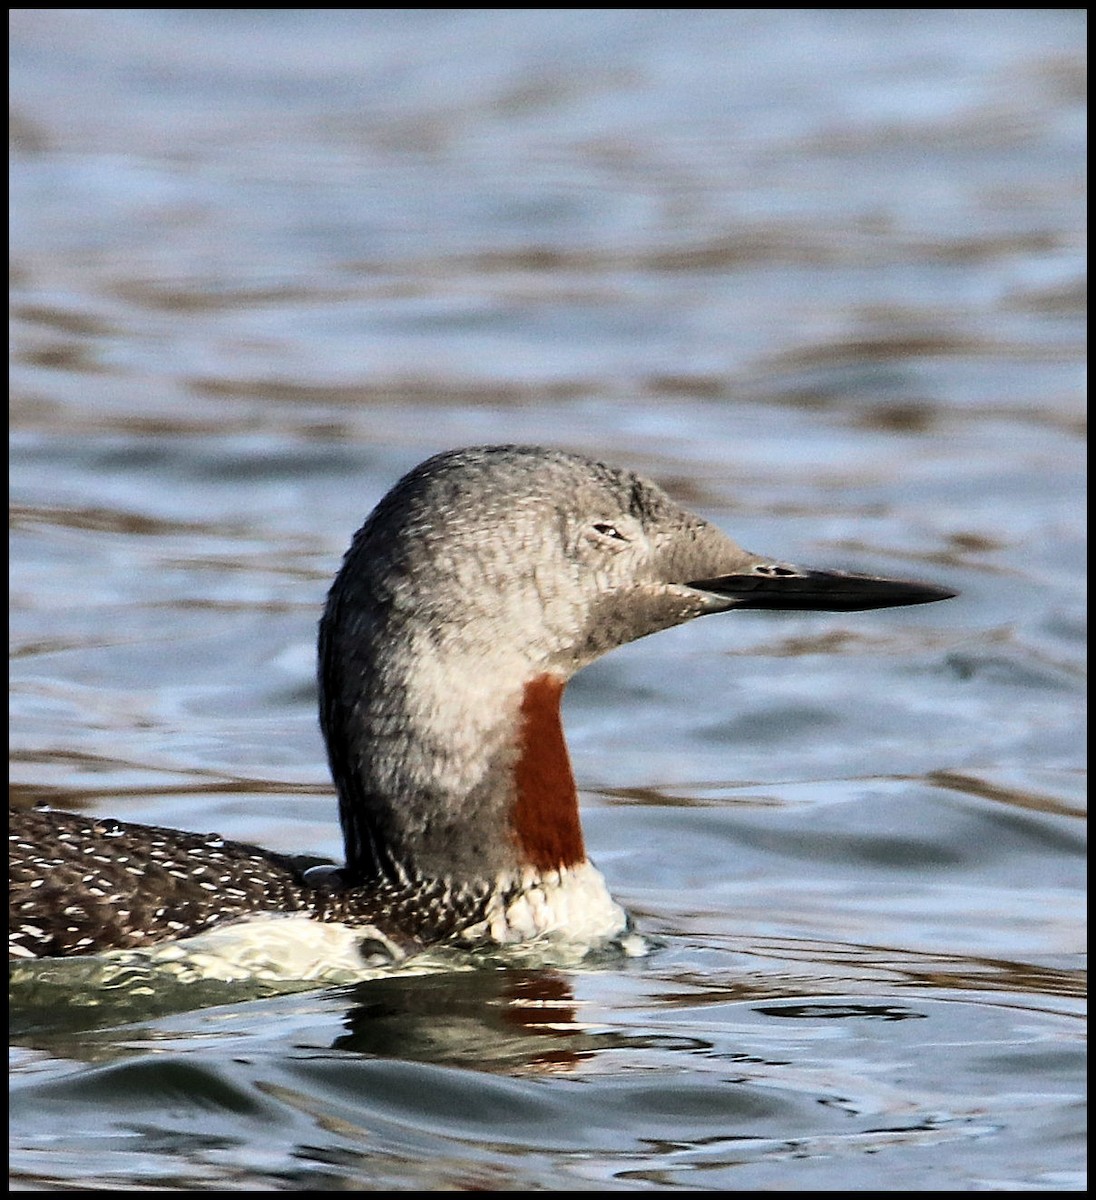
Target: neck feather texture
column 544, row 816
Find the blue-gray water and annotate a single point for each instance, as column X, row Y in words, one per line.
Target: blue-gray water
column 820, row 274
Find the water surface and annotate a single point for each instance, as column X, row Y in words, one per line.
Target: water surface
column 820, row 274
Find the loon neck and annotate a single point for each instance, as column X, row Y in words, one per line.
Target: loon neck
column 447, row 771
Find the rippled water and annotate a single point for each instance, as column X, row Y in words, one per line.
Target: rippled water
column 822, row 275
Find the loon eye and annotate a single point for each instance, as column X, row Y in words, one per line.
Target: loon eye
column 609, row 530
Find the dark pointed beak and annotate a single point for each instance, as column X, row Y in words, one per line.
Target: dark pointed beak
column 775, row 586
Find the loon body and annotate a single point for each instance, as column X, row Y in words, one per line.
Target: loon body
column 480, row 584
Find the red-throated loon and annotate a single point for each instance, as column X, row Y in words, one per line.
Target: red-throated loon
column 479, row 585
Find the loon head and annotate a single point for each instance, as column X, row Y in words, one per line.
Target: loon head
column 479, row 585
